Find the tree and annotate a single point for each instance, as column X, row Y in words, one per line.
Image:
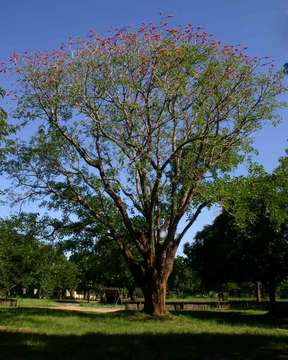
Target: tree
column 183, row 280
column 92, row 251
column 254, row 251
column 139, row 124
column 27, row 262
column 216, row 253
column 55, row 273
column 17, row 257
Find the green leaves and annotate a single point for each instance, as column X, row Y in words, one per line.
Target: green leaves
column 237, row 195
column 26, row 262
column 3, row 114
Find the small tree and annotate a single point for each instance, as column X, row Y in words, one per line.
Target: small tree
column 139, row 124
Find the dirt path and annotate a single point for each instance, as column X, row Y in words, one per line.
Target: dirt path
column 88, row 309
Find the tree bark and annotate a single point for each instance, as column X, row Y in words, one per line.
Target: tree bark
column 152, row 277
column 155, row 285
column 155, row 296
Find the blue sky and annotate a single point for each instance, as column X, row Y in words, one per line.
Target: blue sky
column 259, row 24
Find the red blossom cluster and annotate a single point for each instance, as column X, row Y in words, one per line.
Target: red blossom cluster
column 145, row 39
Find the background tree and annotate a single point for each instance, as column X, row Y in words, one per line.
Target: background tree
column 17, row 257
column 183, row 280
column 94, row 253
column 143, row 121
column 28, row 263
column 219, row 254
column 54, row 274
column 256, row 249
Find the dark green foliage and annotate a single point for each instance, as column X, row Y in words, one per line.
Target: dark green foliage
column 183, row 280
column 224, row 252
column 26, row 262
column 249, row 241
column 97, row 257
column 17, row 258
column 55, row 273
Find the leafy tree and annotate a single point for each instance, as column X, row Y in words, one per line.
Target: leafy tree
column 214, row 251
column 183, row 280
column 139, row 124
column 224, row 252
column 17, row 257
column 94, row 253
column 26, row 262
column 109, row 272
column 54, row 273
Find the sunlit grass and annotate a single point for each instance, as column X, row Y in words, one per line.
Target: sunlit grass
column 23, row 302
column 62, row 323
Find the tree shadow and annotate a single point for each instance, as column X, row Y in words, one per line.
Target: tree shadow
column 15, row 345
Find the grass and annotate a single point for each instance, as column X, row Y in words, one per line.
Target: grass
column 36, row 302
column 39, row 333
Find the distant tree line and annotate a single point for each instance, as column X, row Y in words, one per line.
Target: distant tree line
column 29, row 266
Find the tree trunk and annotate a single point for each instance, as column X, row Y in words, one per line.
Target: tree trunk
column 153, row 278
column 155, row 296
column 131, row 290
column 258, row 292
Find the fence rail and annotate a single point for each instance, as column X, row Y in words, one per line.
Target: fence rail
column 185, row 305
column 8, row 302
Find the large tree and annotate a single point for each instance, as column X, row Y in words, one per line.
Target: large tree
column 143, row 121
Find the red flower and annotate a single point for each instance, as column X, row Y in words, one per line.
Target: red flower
column 172, row 31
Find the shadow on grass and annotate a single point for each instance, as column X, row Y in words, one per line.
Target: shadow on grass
column 207, row 346
column 140, row 347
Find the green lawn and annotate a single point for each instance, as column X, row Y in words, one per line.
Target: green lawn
column 38, row 333
column 36, row 302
